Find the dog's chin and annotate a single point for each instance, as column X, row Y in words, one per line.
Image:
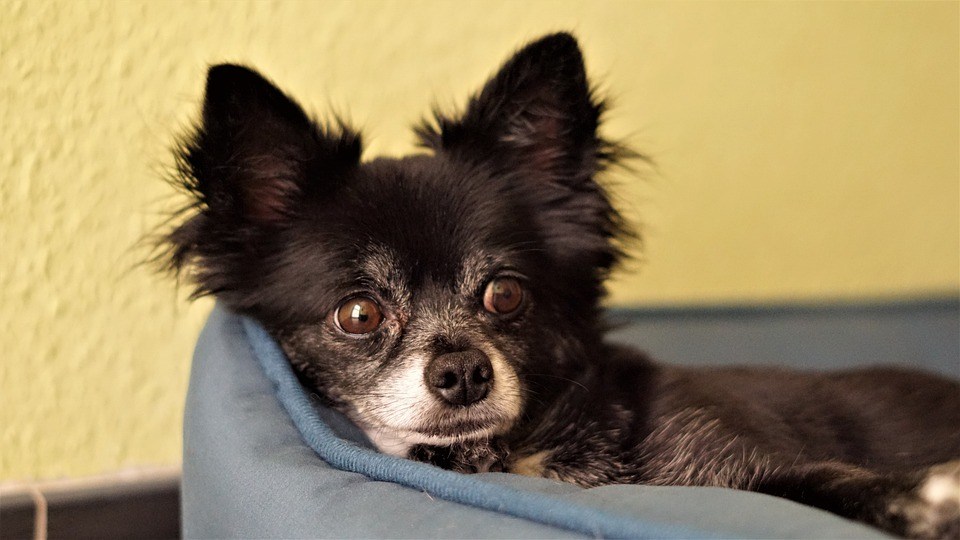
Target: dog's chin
column 441, row 427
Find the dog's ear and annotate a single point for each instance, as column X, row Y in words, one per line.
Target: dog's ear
column 536, row 114
column 252, row 167
column 535, row 121
column 256, row 153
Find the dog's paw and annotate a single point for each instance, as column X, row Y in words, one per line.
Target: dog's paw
column 488, row 457
column 468, row 458
column 932, row 510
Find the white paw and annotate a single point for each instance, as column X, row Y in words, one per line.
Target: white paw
column 933, row 510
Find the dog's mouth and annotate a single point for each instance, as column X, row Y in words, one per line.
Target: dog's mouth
column 439, row 425
column 446, row 430
column 462, row 424
column 468, row 425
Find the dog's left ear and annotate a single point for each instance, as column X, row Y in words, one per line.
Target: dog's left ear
column 536, row 121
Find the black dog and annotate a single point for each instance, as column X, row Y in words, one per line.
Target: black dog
column 448, row 304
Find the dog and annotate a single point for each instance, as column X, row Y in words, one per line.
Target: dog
column 448, row 303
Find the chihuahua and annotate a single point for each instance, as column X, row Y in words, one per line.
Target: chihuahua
column 448, row 303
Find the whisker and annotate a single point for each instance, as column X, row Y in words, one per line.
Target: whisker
column 581, row 385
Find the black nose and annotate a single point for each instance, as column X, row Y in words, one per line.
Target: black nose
column 460, row 378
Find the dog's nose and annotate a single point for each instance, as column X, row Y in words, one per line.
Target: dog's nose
column 460, row 378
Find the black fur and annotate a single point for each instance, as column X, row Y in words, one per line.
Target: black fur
column 286, row 223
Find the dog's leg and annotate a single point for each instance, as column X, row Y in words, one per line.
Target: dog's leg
column 921, row 505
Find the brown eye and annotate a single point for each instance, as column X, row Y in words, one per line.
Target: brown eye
column 358, row 315
column 503, row 296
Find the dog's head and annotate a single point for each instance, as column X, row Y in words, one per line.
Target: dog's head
column 431, row 297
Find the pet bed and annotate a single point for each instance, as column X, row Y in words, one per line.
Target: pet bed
column 263, row 459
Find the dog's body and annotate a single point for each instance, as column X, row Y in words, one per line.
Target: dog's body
column 448, row 304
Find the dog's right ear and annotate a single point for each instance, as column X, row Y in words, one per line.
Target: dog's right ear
column 535, row 123
column 256, row 153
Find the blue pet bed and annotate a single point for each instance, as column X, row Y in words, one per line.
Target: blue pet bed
column 262, row 459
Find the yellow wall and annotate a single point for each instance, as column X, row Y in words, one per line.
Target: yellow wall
column 805, row 151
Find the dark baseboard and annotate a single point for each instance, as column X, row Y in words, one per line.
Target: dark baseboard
column 144, row 507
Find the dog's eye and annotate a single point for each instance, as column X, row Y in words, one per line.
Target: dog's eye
column 358, row 315
column 503, row 296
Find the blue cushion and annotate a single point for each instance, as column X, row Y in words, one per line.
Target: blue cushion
column 263, row 459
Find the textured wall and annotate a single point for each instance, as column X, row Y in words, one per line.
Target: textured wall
column 805, row 151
